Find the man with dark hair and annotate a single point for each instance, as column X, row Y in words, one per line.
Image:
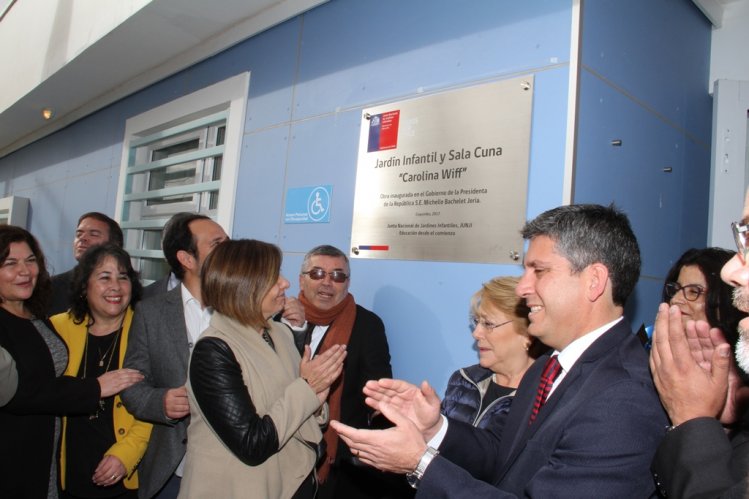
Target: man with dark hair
column 585, row 421
column 174, row 229
column 334, row 318
column 93, row 229
column 165, row 328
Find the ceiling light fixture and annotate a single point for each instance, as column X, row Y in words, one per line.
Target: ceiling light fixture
column 47, row 113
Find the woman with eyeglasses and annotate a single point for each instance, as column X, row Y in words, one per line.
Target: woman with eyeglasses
column 499, row 321
column 694, row 285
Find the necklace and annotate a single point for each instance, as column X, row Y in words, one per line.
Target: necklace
column 109, row 351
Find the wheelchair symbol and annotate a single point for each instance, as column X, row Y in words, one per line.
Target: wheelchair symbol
column 318, row 204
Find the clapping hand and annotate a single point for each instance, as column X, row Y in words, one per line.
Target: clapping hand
column 320, row 372
column 690, row 366
column 419, row 404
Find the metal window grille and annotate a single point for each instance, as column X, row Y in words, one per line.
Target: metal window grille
column 174, row 169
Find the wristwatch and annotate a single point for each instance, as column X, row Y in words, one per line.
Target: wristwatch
column 416, row 475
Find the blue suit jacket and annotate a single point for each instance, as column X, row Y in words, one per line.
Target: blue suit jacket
column 595, row 437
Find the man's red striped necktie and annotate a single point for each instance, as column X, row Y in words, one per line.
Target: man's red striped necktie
column 551, row 371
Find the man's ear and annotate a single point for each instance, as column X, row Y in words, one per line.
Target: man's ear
column 187, row 260
column 597, row 280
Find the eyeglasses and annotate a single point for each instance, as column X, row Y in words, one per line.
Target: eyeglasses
column 691, row 291
column 740, row 235
column 476, row 322
column 316, row 274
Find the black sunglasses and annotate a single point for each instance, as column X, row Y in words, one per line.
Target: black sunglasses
column 316, row 274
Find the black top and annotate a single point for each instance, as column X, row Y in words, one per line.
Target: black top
column 493, row 392
column 89, row 436
column 27, row 422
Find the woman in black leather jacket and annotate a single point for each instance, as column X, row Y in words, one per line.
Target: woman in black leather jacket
column 253, row 431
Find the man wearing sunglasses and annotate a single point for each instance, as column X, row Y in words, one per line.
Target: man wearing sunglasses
column 706, row 451
column 334, row 318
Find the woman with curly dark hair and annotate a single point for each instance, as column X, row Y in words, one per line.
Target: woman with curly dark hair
column 100, row 450
column 695, row 286
column 29, row 428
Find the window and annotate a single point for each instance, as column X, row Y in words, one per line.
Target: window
column 182, row 156
column 14, row 211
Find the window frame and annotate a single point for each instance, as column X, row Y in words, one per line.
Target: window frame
column 228, row 97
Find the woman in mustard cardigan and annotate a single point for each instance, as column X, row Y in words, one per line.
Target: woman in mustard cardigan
column 100, row 451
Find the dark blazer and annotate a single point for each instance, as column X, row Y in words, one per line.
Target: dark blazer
column 60, row 299
column 158, row 348
column 156, row 287
column 368, row 357
column 595, row 437
column 27, row 422
column 698, row 459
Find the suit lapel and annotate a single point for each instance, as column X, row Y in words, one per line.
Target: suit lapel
column 517, row 421
column 520, row 410
column 176, row 336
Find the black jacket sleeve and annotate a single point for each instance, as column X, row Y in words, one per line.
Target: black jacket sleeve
column 224, row 400
column 39, row 390
column 696, row 459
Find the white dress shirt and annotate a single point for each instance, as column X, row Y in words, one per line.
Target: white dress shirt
column 567, row 359
column 197, row 319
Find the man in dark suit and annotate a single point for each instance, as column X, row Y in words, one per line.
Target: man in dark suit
column 334, row 318
column 93, row 229
column 170, row 280
column 162, row 285
column 706, row 451
column 165, row 328
column 583, row 425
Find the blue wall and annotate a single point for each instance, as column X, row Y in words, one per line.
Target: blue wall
column 645, row 81
column 310, row 79
column 346, row 63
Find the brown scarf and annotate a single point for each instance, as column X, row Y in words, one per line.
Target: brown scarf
column 341, row 320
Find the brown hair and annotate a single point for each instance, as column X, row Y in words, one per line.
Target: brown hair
column 237, row 275
column 500, row 294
